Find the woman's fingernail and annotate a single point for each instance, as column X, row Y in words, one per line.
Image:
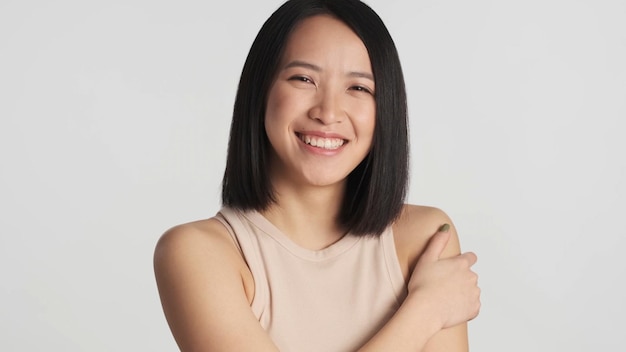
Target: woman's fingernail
column 444, row 228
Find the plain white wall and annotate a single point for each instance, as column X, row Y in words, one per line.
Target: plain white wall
column 114, row 118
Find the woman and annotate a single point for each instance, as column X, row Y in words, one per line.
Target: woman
column 314, row 249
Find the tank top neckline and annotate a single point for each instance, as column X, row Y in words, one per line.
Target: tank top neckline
column 334, row 250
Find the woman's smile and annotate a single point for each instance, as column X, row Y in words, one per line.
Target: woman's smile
column 321, row 141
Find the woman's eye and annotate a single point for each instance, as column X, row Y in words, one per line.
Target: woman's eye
column 301, row 79
column 362, row 89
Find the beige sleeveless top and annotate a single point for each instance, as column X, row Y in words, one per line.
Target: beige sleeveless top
column 334, row 299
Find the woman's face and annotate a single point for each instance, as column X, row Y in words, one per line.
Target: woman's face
column 320, row 114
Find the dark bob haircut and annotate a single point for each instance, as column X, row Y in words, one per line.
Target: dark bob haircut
column 376, row 188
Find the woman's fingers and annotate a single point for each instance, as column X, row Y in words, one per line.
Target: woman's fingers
column 470, row 257
column 449, row 283
column 437, row 244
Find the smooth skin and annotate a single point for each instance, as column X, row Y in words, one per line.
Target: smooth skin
column 324, row 88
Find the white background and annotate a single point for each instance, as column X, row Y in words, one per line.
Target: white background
column 114, row 118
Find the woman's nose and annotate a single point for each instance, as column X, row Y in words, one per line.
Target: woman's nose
column 327, row 109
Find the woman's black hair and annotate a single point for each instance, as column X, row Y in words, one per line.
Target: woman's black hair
column 376, row 188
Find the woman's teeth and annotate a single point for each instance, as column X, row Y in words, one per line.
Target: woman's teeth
column 325, row 143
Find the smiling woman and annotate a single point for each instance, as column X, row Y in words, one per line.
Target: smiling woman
column 376, row 188
column 321, row 111
column 314, row 249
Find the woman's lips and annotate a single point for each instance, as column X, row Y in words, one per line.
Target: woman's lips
column 329, row 143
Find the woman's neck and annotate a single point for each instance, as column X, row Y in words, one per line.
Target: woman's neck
column 308, row 215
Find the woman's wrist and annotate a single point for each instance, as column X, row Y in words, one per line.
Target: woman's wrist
column 418, row 312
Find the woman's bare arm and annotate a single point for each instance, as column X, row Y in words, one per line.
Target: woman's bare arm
column 443, row 292
column 199, row 275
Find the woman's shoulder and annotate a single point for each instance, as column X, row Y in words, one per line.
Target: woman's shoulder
column 199, row 273
column 413, row 229
column 200, row 249
column 202, row 242
column 201, row 233
column 419, row 221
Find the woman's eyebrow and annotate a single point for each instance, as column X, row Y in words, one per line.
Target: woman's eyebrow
column 304, row 64
column 298, row 63
column 361, row 75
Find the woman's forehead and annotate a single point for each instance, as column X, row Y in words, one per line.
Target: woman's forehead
column 324, row 40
